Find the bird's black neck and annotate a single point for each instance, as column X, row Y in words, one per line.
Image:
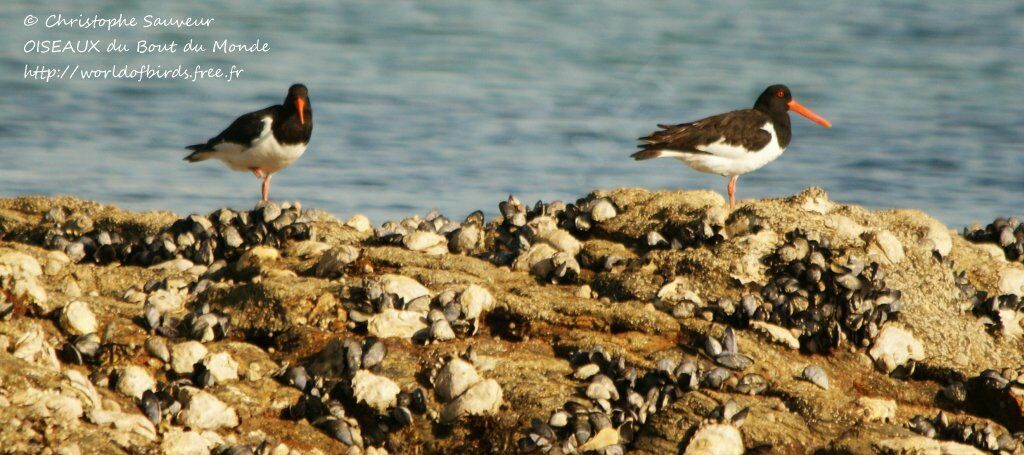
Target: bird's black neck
column 783, row 129
column 287, row 127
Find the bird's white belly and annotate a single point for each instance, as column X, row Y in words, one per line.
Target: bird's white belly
column 725, row 159
column 265, row 153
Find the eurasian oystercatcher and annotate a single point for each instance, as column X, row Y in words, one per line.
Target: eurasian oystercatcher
column 265, row 141
column 734, row 143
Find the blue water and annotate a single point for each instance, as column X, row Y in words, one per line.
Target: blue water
column 455, row 105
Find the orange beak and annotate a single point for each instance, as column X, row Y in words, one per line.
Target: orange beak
column 800, row 109
column 300, row 105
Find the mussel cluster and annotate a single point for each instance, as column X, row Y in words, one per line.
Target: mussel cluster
column 709, row 228
column 623, row 399
column 1008, row 233
column 725, row 352
column 223, row 234
column 6, row 303
column 703, row 230
column 326, row 383
column 394, row 231
column 373, row 299
column 984, row 436
column 202, row 323
column 518, row 228
column 457, row 314
column 809, row 289
column 165, row 402
column 1001, row 314
column 81, row 349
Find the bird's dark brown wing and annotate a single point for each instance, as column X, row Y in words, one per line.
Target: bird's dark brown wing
column 242, row 131
column 738, row 128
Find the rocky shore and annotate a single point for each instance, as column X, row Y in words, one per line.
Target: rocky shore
column 627, row 321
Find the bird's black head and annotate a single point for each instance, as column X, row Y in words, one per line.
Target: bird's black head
column 777, row 99
column 298, row 98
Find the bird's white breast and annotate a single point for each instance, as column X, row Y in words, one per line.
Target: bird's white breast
column 265, row 152
column 727, row 159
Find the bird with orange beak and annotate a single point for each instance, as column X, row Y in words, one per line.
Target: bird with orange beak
column 265, row 141
column 734, row 143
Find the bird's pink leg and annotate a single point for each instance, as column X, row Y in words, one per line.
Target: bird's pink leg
column 266, row 187
column 732, row 191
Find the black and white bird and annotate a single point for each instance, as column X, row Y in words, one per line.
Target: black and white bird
column 734, row 143
column 265, row 141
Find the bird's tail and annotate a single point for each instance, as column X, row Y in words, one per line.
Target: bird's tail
column 200, row 152
column 646, row 154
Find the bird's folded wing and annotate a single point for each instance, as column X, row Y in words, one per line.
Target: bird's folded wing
column 737, row 129
column 244, row 130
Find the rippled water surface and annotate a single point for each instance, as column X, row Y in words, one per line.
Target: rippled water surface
column 454, row 105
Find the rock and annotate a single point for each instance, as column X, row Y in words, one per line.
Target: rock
column 165, row 301
column 475, row 300
column 132, row 380
column 875, row 409
column 392, row 323
column 936, row 235
column 125, row 422
column 921, row 445
column 715, row 439
column 1011, row 281
column 560, row 240
column 886, row 244
column 816, row 375
column 1009, row 323
column 406, row 288
column 776, row 334
column 49, row 405
column 587, row 371
column 813, row 200
column 332, row 264
column 426, row 241
column 483, row 398
column 55, row 262
column 28, row 289
column 894, row 347
column 844, row 226
column 584, row 292
column 306, row 249
column 376, row 391
column 360, row 223
column 677, row 291
column 256, row 256
column 604, row 438
column 454, row 378
column 185, row 355
column 539, row 253
column 77, row 319
column 20, row 264
column 179, row 442
column 204, row 411
column 157, row 347
column 441, row 330
column 32, row 347
column 222, row 367
column 466, row 239
column 174, row 265
column 602, row 210
column 994, row 251
column 77, row 383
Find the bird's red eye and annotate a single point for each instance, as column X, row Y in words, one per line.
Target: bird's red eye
column 780, row 94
